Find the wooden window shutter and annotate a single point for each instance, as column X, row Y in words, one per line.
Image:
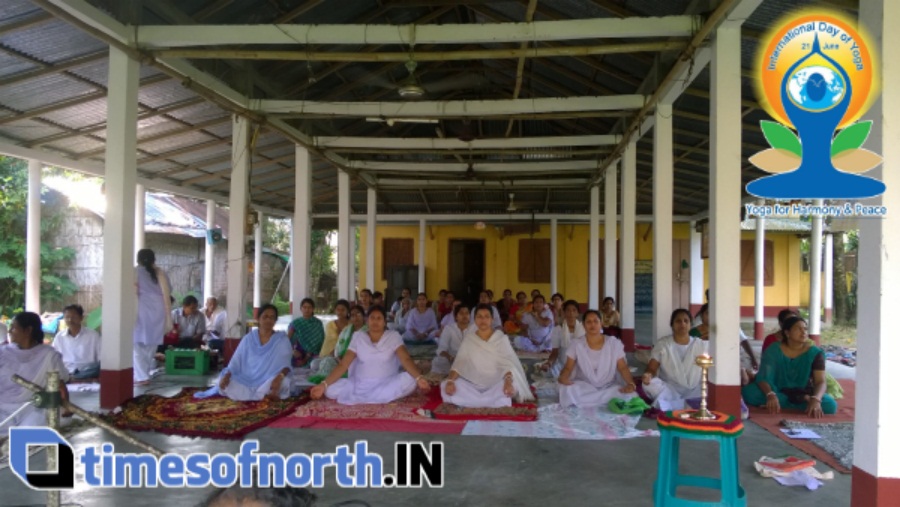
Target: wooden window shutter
column 534, row 260
column 396, row 252
column 748, row 266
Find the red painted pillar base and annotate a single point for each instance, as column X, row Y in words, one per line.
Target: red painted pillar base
column 870, row 491
column 116, row 386
column 829, row 316
column 759, row 330
column 816, row 338
column 725, row 399
column 255, row 312
column 628, row 339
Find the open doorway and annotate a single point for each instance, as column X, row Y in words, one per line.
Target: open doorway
column 465, row 273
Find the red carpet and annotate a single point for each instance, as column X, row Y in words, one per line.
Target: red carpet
column 398, row 416
column 216, row 417
column 450, row 412
column 846, row 413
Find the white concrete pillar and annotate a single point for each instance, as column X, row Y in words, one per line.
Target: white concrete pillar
column 697, row 287
column 354, row 233
column 140, row 212
column 725, row 217
column 258, row 235
column 815, row 277
column 629, row 210
column 238, row 209
column 345, row 248
column 759, row 289
column 301, row 229
column 663, row 188
column 829, row 278
column 554, row 258
column 422, row 255
column 594, row 251
column 610, row 221
column 209, row 253
column 33, row 239
column 876, row 443
column 119, row 305
column 371, row 210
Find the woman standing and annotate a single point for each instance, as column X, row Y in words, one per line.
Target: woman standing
column 595, row 360
column 154, row 316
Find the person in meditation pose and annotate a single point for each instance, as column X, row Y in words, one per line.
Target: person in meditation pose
column 594, row 359
column 556, row 306
column 749, row 365
column 451, row 339
column 672, row 376
column 307, row 334
column 792, row 375
column 570, row 329
column 449, row 320
column 421, row 325
column 373, row 360
column 261, row 366
column 539, row 322
column 486, row 372
column 78, row 345
column 323, row 365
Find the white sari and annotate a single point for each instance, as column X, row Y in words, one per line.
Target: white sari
column 450, row 342
column 678, row 377
column 482, row 366
column 562, row 339
column 375, row 375
column 32, row 364
column 595, row 380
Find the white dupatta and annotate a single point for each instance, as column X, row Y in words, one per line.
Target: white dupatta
column 166, row 294
column 566, row 337
column 484, row 363
column 683, row 372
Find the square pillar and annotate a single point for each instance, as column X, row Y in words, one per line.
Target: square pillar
column 610, row 229
column 301, row 229
column 876, row 443
column 554, row 257
column 697, row 287
column 238, row 210
column 759, row 288
column 140, row 211
column 829, row 278
column 258, row 236
column 209, row 252
column 815, row 277
column 725, row 218
column 371, row 210
column 663, row 191
column 119, row 305
column 422, row 255
column 594, row 251
column 345, row 247
column 33, row 239
column 626, row 244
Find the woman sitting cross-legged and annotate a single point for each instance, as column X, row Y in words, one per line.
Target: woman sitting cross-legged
column 673, row 359
column 421, row 325
column 792, row 375
column 595, row 359
column 539, row 322
column 322, row 365
column 374, row 359
column 307, row 334
column 261, row 365
column 486, row 373
column 451, row 340
column 564, row 334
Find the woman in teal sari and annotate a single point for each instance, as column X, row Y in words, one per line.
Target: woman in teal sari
column 307, row 334
column 792, row 375
column 324, row 365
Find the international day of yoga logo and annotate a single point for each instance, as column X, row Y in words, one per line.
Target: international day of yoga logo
column 816, row 76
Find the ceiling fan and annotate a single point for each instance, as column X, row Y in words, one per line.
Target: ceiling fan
column 512, row 204
column 411, row 88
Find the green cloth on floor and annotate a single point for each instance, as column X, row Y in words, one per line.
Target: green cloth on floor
column 633, row 406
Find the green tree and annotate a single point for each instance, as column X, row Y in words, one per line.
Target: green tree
column 13, row 221
column 321, row 260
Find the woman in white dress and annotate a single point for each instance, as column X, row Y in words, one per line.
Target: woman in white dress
column 451, row 340
column 594, row 360
column 539, row 322
column 374, row 359
column 486, row 373
column 564, row 334
column 154, row 316
column 672, row 376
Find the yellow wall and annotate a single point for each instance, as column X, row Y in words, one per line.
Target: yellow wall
column 501, row 259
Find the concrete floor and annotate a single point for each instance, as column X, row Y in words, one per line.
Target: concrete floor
column 479, row 471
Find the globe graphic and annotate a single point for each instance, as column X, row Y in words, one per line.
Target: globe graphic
column 816, row 88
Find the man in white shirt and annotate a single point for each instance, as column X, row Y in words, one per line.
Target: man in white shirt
column 78, row 345
column 190, row 322
column 216, row 323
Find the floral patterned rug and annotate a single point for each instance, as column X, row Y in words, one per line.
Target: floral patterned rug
column 436, row 408
column 216, row 417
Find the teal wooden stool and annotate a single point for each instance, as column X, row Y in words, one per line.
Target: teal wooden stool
column 677, row 425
